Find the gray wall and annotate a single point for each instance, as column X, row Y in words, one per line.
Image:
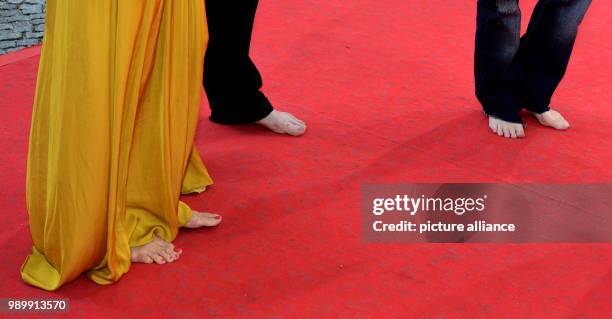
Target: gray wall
column 22, row 23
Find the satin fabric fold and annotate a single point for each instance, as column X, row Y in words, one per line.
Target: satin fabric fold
column 111, row 143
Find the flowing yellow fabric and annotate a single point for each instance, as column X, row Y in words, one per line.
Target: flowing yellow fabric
column 111, row 143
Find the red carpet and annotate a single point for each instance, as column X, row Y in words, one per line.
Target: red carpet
column 387, row 91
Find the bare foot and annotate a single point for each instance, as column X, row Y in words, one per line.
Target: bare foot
column 203, row 220
column 506, row 129
column 157, row 251
column 552, row 119
column 283, row 123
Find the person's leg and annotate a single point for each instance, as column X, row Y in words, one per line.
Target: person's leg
column 231, row 79
column 67, row 170
column 163, row 162
column 545, row 52
column 497, row 41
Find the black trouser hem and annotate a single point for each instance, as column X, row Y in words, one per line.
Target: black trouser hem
column 508, row 117
column 233, row 116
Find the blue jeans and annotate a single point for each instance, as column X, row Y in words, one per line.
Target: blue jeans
column 514, row 72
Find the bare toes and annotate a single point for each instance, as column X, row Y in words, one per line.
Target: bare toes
column 210, row 220
column 552, row 119
column 513, row 133
column 506, row 131
column 175, row 254
column 167, row 255
column 159, row 259
column 500, row 131
column 295, row 119
column 203, row 219
column 492, row 125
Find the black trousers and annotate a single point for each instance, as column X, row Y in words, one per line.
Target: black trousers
column 514, row 72
column 231, row 79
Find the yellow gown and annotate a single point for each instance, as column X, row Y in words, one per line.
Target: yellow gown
column 111, row 142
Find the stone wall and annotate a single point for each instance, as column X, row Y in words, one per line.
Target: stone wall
column 22, row 23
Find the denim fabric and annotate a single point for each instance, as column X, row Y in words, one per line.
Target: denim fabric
column 514, row 72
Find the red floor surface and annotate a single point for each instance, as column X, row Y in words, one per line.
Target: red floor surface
column 387, row 91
